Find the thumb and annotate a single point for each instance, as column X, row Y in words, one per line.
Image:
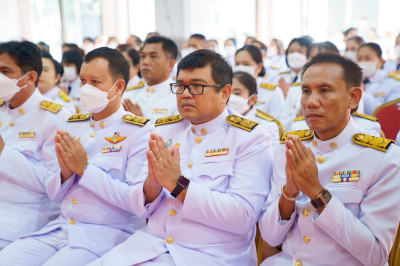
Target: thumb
column 176, row 154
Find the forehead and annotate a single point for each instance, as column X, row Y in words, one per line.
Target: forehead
column 322, row 73
column 244, row 55
column 153, row 47
column 7, row 61
column 47, row 62
column 97, row 66
column 196, row 74
column 367, row 50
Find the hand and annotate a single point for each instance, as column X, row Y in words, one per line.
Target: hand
column 64, row 89
column 303, row 167
column 73, row 154
column 165, row 162
column 2, row 143
column 290, row 189
column 134, row 108
column 284, row 86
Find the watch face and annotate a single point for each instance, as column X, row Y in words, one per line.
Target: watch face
column 184, row 181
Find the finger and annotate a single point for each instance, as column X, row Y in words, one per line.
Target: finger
column 176, row 155
column 65, row 137
column 153, row 160
column 296, row 149
column 162, row 147
column 310, row 153
column 301, row 148
column 62, row 152
column 154, row 149
column 64, row 145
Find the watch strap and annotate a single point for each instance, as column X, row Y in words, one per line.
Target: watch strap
column 181, row 184
column 322, row 200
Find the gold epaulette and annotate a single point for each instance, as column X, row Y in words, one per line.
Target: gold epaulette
column 284, row 72
column 140, row 85
column 394, row 76
column 275, row 67
column 64, row 96
column 369, row 117
column 51, row 106
column 377, row 143
column 268, row 117
column 78, row 117
column 302, row 134
column 268, row 86
column 136, row 120
column 295, row 84
column 299, row 118
column 1, row 102
column 168, row 120
column 241, row 122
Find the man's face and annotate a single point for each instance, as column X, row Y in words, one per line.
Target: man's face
column 197, row 44
column 155, row 65
column 201, row 108
column 325, row 101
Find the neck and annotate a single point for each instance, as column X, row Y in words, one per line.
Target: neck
column 327, row 135
column 109, row 110
column 21, row 97
column 44, row 90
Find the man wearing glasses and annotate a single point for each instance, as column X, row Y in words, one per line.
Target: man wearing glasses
column 207, row 178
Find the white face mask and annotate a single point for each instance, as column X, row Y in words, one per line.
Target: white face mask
column 296, row 60
column 94, row 100
column 272, row 51
column 230, row 50
column 186, row 51
column 248, row 69
column 239, row 104
column 368, row 68
column 69, row 73
column 9, row 87
column 397, row 51
column 351, row 55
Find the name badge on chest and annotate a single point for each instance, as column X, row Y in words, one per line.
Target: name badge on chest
column 27, row 134
column 114, row 148
column 217, row 152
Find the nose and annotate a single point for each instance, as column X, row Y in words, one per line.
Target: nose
column 312, row 100
column 144, row 60
column 186, row 93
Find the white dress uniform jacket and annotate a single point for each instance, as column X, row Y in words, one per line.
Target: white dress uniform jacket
column 230, row 171
column 58, row 96
column 270, row 98
column 358, row 225
column 27, row 162
column 116, row 150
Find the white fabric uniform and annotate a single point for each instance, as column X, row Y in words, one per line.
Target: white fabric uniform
column 156, row 101
column 26, row 165
column 373, row 127
column 391, row 65
column 216, row 223
column 74, row 93
column 54, row 95
column 89, row 219
column 133, row 81
column 358, row 225
column 292, row 106
column 383, row 89
column 270, row 101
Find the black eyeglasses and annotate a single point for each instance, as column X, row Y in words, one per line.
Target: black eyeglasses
column 194, row 89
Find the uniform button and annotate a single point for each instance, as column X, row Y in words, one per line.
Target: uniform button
column 177, row 144
column 12, row 123
column 306, row 212
column 1, row 123
column 169, row 240
column 92, row 124
column 74, row 201
column 298, row 263
column 172, row 212
column 153, row 90
column 190, row 165
column 102, row 124
column 314, row 142
column 306, row 239
column 192, row 129
column 21, row 111
column 92, row 134
column 198, row 139
column 204, row 131
column 71, row 221
column 148, row 95
column 321, row 159
column 333, row 145
column 147, row 90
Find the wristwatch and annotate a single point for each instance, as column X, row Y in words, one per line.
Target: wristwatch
column 322, row 200
column 181, row 184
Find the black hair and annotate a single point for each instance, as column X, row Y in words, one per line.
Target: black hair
column 26, row 55
column 134, row 55
column 221, row 71
column 325, row 47
column 359, row 40
column 255, row 54
column 168, row 45
column 118, row 66
column 198, row 36
column 248, row 81
column 346, row 32
column 137, row 39
column 263, row 46
column 374, row 46
column 58, row 68
column 88, row 39
column 351, row 72
column 73, row 57
column 45, row 46
column 303, row 41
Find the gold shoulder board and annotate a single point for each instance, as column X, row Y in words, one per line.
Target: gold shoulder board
column 51, row 106
column 64, row 96
column 295, row 84
column 268, row 86
column 299, row 118
column 377, row 143
column 394, row 76
column 168, row 120
column 275, row 67
column 264, row 115
column 140, row 85
column 241, row 122
column 78, row 117
column 369, row 117
column 1, row 102
column 284, row 72
column 302, row 134
column 136, row 120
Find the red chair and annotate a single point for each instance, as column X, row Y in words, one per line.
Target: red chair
column 388, row 115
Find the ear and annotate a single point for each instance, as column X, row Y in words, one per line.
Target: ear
column 380, row 63
column 355, row 97
column 31, row 79
column 225, row 93
column 253, row 100
column 171, row 64
column 120, row 87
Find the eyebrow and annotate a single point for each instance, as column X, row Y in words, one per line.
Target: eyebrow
column 193, row 80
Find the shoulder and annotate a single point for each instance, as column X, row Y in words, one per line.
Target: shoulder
column 303, row 134
column 78, row 117
column 168, row 120
column 265, row 116
column 268, row 86
column 241, row 122
column 368, row 117
column 135, row 120
column 394, row 76
column 64, row 96
column 50, row 106
column 374, row 142
column 138, row 86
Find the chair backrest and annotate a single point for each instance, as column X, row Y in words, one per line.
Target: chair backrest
column 259, row 245
column 389, row 118
column 394, row 257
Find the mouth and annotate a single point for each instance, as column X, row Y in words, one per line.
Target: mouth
column 312, row 116
column 187, row 105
